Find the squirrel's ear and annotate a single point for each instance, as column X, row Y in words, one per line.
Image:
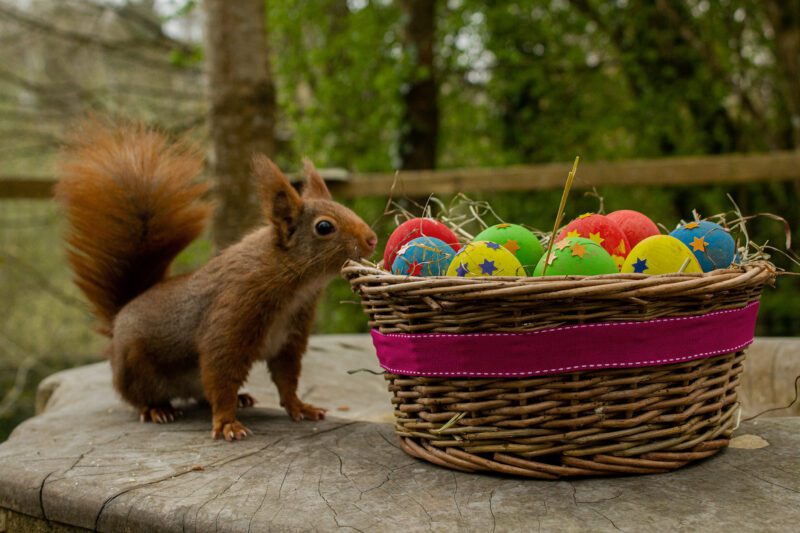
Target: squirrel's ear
column 280, row 202
column 314, row 186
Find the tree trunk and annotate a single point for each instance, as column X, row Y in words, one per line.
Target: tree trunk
column 420, row 127
column 242, row 114
column 784, row 16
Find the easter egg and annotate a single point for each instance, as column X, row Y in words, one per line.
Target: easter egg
column 484, row 258
column 603, row 231
column 519, row 241
column 634, row 225
column 411, row 229
column 577, row 256
column 660, row 254
column 423, row 256
column 711, row 244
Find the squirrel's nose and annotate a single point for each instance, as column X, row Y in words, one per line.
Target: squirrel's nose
column 372, row 242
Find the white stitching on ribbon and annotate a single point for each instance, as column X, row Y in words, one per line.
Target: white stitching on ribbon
column 575, row 367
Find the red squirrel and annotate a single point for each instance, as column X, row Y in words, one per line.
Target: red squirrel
column 132, row 203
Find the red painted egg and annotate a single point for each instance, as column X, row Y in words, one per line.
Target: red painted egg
column 410, row 230
column 636, row 226
column 603, row 231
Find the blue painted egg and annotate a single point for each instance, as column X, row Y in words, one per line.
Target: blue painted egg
column 423, row 256
column 711, row 244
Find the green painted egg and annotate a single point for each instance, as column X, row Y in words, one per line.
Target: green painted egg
column 484, row 258
column 660, row 254
column 519, row 241
column 577, row 256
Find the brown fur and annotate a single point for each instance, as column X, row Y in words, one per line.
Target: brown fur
column 132, row 204
column 197, row 336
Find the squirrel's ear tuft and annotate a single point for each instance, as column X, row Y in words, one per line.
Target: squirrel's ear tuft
column 314, row 186
column 280, row 202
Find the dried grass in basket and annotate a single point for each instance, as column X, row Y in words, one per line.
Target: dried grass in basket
column 629, row 421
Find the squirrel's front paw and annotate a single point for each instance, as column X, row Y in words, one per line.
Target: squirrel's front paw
column 300, row 411
column 230, row 431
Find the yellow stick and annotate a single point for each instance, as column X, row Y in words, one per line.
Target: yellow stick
column 560, row 213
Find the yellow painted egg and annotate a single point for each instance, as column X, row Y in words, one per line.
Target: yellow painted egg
column 484, row 258
column 660, row 254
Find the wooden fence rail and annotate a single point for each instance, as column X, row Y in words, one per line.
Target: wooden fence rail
column 701, row 170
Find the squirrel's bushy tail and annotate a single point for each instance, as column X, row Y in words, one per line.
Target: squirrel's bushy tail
column 132, row 203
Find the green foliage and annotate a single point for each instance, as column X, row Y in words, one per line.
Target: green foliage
column 338, row 75
column 191, row 57
column 533, row 80
column 544, row 80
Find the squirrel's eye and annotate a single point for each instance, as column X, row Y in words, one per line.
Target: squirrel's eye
column 324, row 227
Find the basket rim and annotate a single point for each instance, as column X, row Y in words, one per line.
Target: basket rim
column 368, row 278
column 366, row 267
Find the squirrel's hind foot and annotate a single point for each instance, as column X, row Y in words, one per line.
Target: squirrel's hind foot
column 298, row 410
column 245, row 400
column 161, row 414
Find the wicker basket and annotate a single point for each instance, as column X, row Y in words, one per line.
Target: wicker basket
column 641, row 420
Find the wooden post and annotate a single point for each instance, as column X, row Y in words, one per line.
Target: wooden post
column 242, row 109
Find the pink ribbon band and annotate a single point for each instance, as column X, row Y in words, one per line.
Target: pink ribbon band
column 568, row 348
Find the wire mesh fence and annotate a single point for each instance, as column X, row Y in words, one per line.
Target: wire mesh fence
column 44, row 324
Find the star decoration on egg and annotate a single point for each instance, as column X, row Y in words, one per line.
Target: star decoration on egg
column 503, row 226
column 551, row 259
column 578, row 250
column 487, row 267
column 699, row 244
column 492, row 245
column 692, row 225
column 560, row 245
column 414, row 268
column 512, row 246
column 597, row 238
column 574, row 233
column 640, row 265
column 403, row 249
column 462, row 270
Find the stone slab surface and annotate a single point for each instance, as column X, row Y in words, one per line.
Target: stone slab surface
column 325, row 380
column 86, row 462
column 769, row 380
